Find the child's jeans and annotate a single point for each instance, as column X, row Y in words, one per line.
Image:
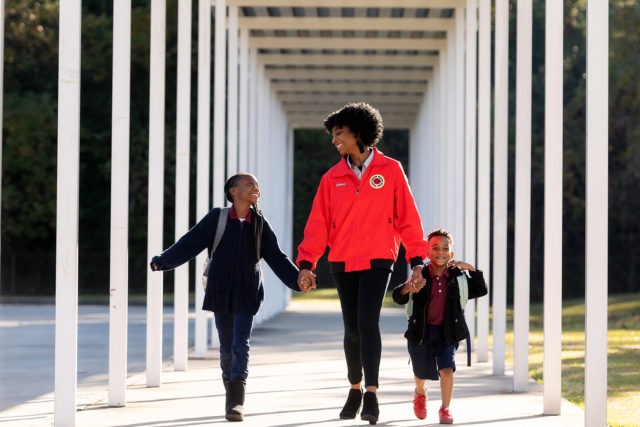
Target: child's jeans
column 234, row 333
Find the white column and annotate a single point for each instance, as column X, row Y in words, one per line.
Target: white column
column 232, row 93
column 66, row 339
column 453, row 132
column 243, row 101
column 471, row 58
column 522, row 262
column 219, row 113
column 156, row 189
column 500, row 181
column 202, row 173
column 441, row 101
column 458, row 117
column 552, row 322
column 254, row 84
column 1, row 107
column 183, row 143
column 219, row 102
column 597, row 213
column 484, row 170
column 119, row 277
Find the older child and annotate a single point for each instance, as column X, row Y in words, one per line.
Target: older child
column 436, row 320
column 234, row 289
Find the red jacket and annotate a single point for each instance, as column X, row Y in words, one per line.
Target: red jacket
column 363, row 221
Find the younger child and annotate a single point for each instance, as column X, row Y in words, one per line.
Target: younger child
column 436, row 320
column 234, row 290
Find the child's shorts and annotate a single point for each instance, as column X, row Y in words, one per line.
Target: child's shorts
column 427, row 359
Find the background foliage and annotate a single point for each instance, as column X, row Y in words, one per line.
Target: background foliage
column 30, row 132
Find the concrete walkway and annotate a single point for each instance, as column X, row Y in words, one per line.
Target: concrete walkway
column 297, row 377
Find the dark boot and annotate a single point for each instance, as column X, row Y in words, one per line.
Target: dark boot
column 370, row 411
column 226, row 394
column 352, row 405
column 235, row 411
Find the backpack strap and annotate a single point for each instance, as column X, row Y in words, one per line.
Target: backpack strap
column 464, row 289
column 463, row 285
column 222, row 223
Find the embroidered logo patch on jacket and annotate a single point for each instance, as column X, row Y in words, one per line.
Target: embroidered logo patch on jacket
column 376, row 181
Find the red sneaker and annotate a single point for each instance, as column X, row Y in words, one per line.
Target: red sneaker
column 445, row 416
column 420, row 405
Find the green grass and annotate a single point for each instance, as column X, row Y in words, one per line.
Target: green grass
column 623, row 369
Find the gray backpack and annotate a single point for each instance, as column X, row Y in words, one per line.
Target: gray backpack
column 222, row 223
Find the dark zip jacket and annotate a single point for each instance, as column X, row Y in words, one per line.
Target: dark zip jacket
column 455, row 325
column 234, row 283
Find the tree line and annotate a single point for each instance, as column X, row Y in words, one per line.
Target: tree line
column 30, row 147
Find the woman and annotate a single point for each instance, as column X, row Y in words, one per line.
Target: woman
column 363, row 210
column 234, row 290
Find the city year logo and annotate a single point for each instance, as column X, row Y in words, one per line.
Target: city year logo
column 376, row 181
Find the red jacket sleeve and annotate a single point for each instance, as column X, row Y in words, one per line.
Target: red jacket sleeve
column 316, row 231
column 407, row 219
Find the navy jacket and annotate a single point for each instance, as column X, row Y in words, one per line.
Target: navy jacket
column 234, row 283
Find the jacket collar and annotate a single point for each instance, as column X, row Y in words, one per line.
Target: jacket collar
column 234, row 215
column 343, row 168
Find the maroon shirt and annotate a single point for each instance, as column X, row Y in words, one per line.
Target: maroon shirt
column 435, row 311
column 234, row 215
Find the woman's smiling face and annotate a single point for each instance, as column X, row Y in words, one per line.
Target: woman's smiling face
column 344, row 140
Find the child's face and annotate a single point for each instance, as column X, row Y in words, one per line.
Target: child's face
column 440, row 251
column 246, row 190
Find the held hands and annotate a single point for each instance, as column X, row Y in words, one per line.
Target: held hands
column 416, row 282
column 306, row 280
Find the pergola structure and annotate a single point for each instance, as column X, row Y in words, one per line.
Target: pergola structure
column 279, row 65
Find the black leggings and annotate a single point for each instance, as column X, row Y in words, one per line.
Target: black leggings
column 361, row 294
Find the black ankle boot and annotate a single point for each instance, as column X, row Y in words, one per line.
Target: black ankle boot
column 370, row 411
column 226, row 394
column 352, row 405
column 235, row 410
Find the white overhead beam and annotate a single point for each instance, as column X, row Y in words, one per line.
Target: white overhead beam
column 335, row 74
column 356, row 59
column 439, row 4
column 352, row 24
column 315, row 122
column 325, row 107
column 358, row 43
column 391, row 87
column 288, row 98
